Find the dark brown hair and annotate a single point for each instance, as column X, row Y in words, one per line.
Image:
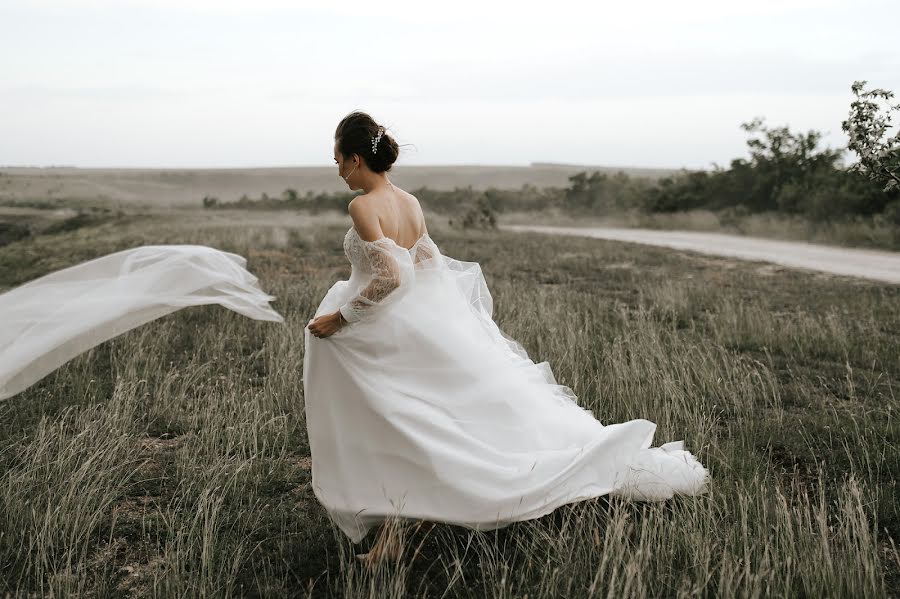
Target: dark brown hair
column 354, row 135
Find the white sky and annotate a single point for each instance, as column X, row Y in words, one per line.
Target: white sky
column 218, row 83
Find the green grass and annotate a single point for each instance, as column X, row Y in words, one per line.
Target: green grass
column 173, row 460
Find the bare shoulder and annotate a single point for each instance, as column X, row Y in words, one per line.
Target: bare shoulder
column 408, row 196
column 358, row 204
column 365, row 218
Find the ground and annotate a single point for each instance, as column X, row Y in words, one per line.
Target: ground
column 173, row 461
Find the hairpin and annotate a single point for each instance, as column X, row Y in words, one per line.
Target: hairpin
column 376, row 139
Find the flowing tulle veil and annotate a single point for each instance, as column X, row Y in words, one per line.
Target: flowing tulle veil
column 50, row 320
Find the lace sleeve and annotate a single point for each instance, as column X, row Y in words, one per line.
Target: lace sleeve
column 426, row 251
column 392, row 276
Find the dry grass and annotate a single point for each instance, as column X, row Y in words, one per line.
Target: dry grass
column 172, row 461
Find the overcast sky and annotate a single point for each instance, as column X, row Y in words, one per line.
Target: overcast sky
column 215, row 83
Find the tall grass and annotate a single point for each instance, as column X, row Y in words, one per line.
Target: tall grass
column 172, row 461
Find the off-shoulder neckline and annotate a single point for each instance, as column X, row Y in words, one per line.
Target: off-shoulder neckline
column 386, row 238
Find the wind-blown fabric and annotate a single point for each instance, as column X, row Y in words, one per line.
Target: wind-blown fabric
column 423, row 408
column 50, row 320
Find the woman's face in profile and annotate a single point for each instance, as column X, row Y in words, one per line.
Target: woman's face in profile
column 338, row 160
column 347, row 171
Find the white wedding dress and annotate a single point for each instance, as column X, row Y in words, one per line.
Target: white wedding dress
column 421, row 407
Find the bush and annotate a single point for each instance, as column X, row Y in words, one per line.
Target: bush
column 11, row 232
column 482, row 216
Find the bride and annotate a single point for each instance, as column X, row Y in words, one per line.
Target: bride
column 419, row 407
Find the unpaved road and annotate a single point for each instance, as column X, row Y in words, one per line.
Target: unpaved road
column 867, row 264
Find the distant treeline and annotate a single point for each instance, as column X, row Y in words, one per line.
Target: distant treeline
column 794, row 181
column 469, row 206
column 786, row 174
column 815, row 189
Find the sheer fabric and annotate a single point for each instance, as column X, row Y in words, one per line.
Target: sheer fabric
column 384, row 267
column 50, row 320
column 427, row 410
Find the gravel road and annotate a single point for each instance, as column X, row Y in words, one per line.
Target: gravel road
column 868, row 264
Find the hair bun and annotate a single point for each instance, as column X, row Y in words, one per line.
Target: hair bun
column 358, row 133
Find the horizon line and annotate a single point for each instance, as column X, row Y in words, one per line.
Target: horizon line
column 296, row 166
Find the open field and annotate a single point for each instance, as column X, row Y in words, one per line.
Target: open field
column 172, row 460
column 180, row 187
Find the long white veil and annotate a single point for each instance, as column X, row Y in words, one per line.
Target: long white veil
column 50, row 320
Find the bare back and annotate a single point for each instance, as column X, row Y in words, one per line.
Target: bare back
column 399, row 214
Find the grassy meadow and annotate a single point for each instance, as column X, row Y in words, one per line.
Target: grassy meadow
column 172, row 461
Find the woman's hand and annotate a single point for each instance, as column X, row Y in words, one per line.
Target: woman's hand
column 326, row 324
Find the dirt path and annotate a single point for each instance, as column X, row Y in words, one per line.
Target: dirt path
column 867, row 264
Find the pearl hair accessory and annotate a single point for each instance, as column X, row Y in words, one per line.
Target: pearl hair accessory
column 376, row 139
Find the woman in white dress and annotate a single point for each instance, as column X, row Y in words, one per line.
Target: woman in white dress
column 419, row 407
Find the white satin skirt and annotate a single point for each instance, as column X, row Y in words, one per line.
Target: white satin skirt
column 429, row 411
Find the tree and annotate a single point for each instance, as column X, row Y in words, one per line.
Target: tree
column 879, row 158
column 781, row 158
